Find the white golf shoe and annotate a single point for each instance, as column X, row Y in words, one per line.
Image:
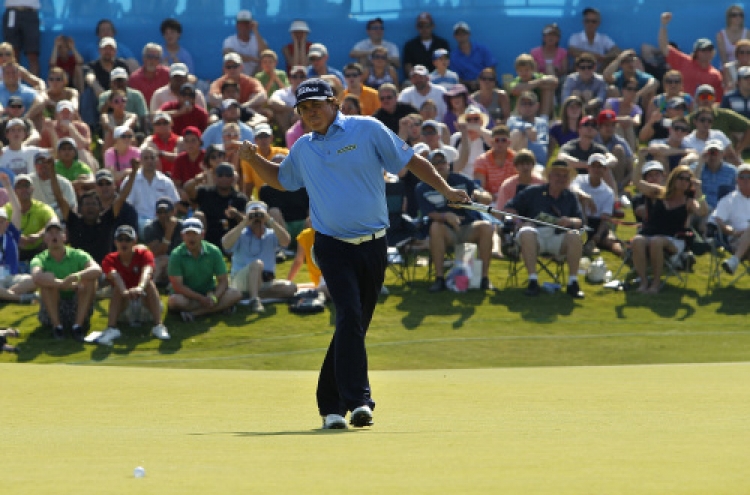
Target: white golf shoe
column 160, row 332
column 334, row 422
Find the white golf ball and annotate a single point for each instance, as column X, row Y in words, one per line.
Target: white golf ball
column 139, row 472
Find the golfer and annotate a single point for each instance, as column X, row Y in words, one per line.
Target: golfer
column 341, row 164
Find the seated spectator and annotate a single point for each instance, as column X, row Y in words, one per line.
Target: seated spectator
column 184, row 111
column 295, row 53
column 556, row 204
column 134, row 295
column 673, row 88
column 550, row 58
column 379, row 71
column 429, row 110
column 622, row 169
column 391, row 110
column 282, row 101
column 213, row 156
column 493, row 167
column 178, row 77
column 627, row 112
column 111, row 199
column 566, row 129
column 213, row 203
column 162, row 236
column 362, row 49
column 253, row 243
column 105, row 30
column 591, row 41
column 14, row 285
column 246, row 42
column 599, row 211
column 66, row 58
column 57, row 91
column 422, row 89
column 98, row 72
column 473, row 140
column 732, row 124
column 527, row 130
column 152, row 75
column 714, row 173
column 730, row 70
column 658, row 123
column 494, row 100
column 270, row 77
column 305, row 241
column 576, row 152
column 198, row 276
column 457, row 100
column 738, row 100
column 15, row 110
column 524, row 162
column 703, row 119
column 41, row 182
column 251, row 90
column 732, row 217
column 470, row 57
column 368, row 97
column 16, row 156
column 149, row 184
column 449, row 227
column 625, row 67
column 230, row 114
column 67, row 124
column 264, row 140
column 67, row 280
column 733, row 32
column 92, row 226
column 230, row 90
column 290, row 209
column 167, row 142
column 441, row 75
column 119, row 157
column 172, row 51
column 135, row 102
column 188, row 163
column 419, row 50
column 586, row 84
column 351, row 105
column 667, row 212
column 12, row 85
column 69, row 166
column 431, row 137
column 409, row 129
column 116, row 117
column 696, row 68
column 35, row 216
column 318, row 66
column 529, row 80
column 652, row 172
column 671, row 151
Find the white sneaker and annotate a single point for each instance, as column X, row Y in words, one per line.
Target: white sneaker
column 361, row 416
column 624, row 201
column 108, row 336
column 92, row 337
column 334, row 422
column 160, row 332
column 730, row 265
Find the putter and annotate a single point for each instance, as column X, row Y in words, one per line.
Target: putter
column 490, row 209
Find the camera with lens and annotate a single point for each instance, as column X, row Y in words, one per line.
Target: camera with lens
column 255, row 215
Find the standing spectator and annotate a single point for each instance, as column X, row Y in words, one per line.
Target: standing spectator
column 172, row 51
column 368, row 97
column 550, row 58
column 67, row 280
column 65, row 57
column 185, row 112
column 106, row 29
column 21, row 29
column 375, row 31
column 529, row 79
column 152, row 75
column 527, row 130
column 422, row 89
column 251, row 90
column 162, row 236
column 198, row 276
column 733, row 32
column 586, row 84
column 167, row 142
column 696, row 69
column 419, row 50
column 295, row 53
column 178, row 77
column 493, row 99
column 129, row 269
column 391, row 110
column 591, row 41
column 470, row 57
column 247, row 42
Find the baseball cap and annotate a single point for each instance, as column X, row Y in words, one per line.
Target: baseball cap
column 426, row 17
column 67, row 140
column 299, row 25
column 191, row 129
column 745, row 167
column 263, row 129
column 229, row 102
column 440, row 52
column 598, row 158
column 233, row 57
column 178, row 69
column 430, row 123
column 164, row 204
column 192, row 225
column 313, row 89
column 126, row 230
column 420, row 70
column 705, row 88
column 107, row 41
column 187, row 88
column 606, row 116
column 244, row 15
column 15, row 100
column 52, row 224
column 702, row 44
column 676, row 101
column 104, row 174
column 317, row 50
column 743, row 71
column 461, row 26
column 652, row 165
column 15, row 122
column 64, row 105
column 298, row 68
column 41, row 157
column 435, row 153
column 255, row 205
column 420, row 148
column 551, row 28
column 22, row 177
column 714, row 144
column 118, row 73
column 224, row 167
column 160, row 116
column 120, row 130
column 586, row 119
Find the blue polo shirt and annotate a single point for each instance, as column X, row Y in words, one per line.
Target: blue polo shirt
column 249, row 248
column 343, row 173
column 711, row 181
column 469, row 66
column 26, row 94
column 213, row 133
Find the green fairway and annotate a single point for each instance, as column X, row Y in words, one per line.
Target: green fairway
column 678, row 429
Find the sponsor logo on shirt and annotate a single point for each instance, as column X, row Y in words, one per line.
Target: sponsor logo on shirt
column 347, row 148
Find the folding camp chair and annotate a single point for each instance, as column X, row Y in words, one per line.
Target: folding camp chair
column 549, row 264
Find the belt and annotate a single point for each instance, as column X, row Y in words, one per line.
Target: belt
column 363, row 238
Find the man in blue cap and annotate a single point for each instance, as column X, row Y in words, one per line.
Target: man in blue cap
column 341, row 164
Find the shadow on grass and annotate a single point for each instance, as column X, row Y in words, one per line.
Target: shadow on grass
column 417, row 303
column 731, row 300
column 668, row 303
column 544, row 308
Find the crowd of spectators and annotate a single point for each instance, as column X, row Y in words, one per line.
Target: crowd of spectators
column 117, row 146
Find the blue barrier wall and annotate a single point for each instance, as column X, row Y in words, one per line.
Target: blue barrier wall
column 508, row 27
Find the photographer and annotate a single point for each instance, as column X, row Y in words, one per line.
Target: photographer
column 253, row 243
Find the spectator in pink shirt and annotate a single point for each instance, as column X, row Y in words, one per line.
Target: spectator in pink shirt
column 524, row 162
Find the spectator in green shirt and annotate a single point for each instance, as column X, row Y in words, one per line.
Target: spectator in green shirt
column 34, row 216
column 69, row 166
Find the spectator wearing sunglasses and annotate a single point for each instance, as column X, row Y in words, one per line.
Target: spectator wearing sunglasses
column 15, row 110
column 576, row 152
column 57, row 91
column 628, row 66
column 391, row 110
column 282, row 100
column 696, row 68
column 368, row 98
column 378, row 71
column 152, row 75
column 586, row 84
column 419, row 50
column 527, row 130
column 742, row 59
column 375, row 31
column 179, row 75
column 673, row 88
column 738, row 99
column 251, row 90
column 590, row 40
column 733, row 32
column 669, row 151
column 732, row 124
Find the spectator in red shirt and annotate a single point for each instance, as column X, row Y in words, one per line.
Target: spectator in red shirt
column 185, row 112
column 167, row 142
column 696, row 69
column 188, row 163
column 152, row 75
column 251, row 90
column 494, row 166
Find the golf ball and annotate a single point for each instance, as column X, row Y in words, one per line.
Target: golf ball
column 139, row 472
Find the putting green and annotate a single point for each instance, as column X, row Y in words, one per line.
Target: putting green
column 676, row 429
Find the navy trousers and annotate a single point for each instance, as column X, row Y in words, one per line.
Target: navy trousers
column 354, row 275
